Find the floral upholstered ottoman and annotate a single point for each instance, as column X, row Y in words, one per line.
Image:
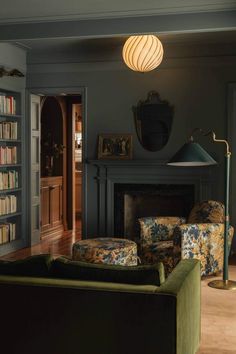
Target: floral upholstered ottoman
column 106, row 250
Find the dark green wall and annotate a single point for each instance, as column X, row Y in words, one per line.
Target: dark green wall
column 195, row 85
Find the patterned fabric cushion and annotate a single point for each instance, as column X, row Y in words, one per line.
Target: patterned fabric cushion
column 106, row 250
column 161, row 251
column 154, row 229
column 207, row 211
column 204, row 242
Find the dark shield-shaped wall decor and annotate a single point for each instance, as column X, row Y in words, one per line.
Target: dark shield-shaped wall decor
column 153, row 120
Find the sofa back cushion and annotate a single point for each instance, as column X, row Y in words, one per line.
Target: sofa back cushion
column 207, row 211
column 34, row 266
column 156, row 228
column 63, row 267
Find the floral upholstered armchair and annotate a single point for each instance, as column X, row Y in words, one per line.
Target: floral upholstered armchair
column 169, row 239
column 157, row 240
column 203, row 237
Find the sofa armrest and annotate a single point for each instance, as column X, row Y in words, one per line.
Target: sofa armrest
column 185, row 283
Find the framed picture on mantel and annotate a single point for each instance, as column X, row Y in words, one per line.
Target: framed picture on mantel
column 115, row 146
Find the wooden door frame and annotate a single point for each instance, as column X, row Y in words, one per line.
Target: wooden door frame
column 62, row 91
column 71, row 160
column 62, row 106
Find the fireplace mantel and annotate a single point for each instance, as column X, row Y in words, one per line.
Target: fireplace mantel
column 127, row 163
column 111, row 172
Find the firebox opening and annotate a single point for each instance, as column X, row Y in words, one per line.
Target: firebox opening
column 132, row 201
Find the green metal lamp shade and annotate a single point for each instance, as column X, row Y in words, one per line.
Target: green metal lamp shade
column 191, row 154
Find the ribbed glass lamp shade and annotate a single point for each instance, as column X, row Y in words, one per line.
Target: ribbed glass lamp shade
column 142, row 53
column 191, row 154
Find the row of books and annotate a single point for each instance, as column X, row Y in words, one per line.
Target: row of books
column 8, row 155
column 7, row 232
column 8, row 130
column 9, row 179
column 8, row 204
column 7, row 104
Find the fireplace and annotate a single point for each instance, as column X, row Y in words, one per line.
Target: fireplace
column 144, row 188
column 132, row 201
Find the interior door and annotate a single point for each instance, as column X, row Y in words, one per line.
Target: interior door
column 35, row 167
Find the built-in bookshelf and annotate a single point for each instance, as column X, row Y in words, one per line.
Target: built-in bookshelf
column 10, row 170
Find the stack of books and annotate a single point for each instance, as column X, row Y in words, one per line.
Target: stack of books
column 8, row 204
column 8, row 155
column 7, row 104
column 8, row 130
column 7, row 232
column 9, row 179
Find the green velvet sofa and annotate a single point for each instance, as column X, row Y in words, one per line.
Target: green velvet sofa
column 63, row 316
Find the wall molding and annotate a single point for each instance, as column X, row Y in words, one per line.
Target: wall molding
column 95, row 28
column 70, row 67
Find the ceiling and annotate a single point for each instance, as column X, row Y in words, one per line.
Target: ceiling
column 26, row 13
column 15, row 11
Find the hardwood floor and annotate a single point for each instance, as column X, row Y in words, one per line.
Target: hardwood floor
column 54, row 246
column 218, row 321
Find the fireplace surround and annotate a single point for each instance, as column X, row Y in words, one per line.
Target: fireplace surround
column 156, row 179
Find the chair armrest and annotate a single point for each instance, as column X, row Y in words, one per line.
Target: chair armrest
column 188, row 235
column 204, row 242
column 154, row 229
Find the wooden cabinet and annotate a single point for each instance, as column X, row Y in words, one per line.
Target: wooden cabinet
column 51, row 206
column 78, row 193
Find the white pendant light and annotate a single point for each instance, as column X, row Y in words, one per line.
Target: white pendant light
column 142, row 53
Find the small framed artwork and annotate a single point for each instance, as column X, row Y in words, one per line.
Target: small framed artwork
column 115, row 146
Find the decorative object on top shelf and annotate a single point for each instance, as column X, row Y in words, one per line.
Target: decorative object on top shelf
column 143, row 53
column 10, row 72
column 153, row 121
column 51, row 151
column 192, row 154
column 115, row 146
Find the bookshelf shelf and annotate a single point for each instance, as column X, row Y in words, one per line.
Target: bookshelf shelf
column 10, row 115
column 10, row 141
column 10, row 215
column 11, row 167
column 10, row 190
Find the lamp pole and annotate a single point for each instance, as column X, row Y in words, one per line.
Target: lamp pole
column 226, row 246
column 225, row 283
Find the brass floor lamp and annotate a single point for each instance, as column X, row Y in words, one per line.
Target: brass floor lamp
column 192, row 154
